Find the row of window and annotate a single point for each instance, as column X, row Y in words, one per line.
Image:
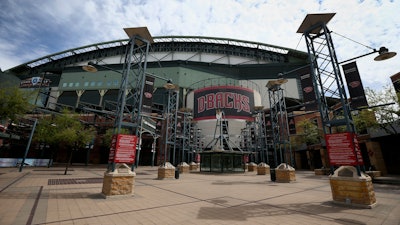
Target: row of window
column 109, row 83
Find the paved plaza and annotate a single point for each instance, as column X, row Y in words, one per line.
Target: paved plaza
column 39, row 195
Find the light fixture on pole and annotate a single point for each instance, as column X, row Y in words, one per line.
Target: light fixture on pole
column 342, row 147
column 171, row 119
column 327, row 79
column 279, row 121
column 132, row 80
column 261, row 137
column 383, row 54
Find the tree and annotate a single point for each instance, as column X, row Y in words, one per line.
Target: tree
column 14, row 102
column 385, row 105
column 365, row 119
column 64, row 129
column 309, row 133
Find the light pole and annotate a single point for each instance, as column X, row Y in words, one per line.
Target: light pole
column 171, row 119
column 261, row 137
column 279, row 121
column 91, row 67
column 327, row 79
column 28, row 145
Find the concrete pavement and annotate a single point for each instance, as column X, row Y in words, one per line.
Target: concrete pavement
column 40, row 195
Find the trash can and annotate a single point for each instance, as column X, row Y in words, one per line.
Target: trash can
column 176, row 172
column 273, row 174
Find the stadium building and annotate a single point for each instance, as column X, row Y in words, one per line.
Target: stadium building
column 212, row 74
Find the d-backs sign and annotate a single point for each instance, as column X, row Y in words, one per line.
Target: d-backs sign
column 235, row 102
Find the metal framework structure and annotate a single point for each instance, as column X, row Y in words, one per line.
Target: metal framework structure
column 326, row 75
column 279, row 121
column 221, row 135
column 194, row 141
column 132, row 84
column 197, row 44
column 170, row 126
column 261, row 137
column 185, row 135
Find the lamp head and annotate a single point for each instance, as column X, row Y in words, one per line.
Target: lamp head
column 169, row 85
column 89, row 67
column 384, row 54
column 281, row 80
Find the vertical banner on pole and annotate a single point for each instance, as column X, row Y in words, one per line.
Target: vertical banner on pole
column 354, row 85
column 148, row 89
column 310, row 101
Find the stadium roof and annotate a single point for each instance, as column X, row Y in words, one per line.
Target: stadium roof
column 255, row 51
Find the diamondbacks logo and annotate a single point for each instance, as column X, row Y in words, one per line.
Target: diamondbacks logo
column 236, row 102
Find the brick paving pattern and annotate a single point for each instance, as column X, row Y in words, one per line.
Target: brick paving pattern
column 47, row 196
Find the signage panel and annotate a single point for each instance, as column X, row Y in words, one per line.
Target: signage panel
column 343, row 149
column 235, row 102
column 123, row 149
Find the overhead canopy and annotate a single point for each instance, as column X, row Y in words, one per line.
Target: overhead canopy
column 314, row 19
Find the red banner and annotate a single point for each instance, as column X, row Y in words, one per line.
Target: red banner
column 343, row 149
column 236, row 102
column 123, row 149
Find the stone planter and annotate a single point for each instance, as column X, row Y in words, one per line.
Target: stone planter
column 166, row 171
column 262, row 169
column 119, row 183
column 193, row 166
column 183, row 167
column 285, row 173
column 351, row 189
column 252, row 167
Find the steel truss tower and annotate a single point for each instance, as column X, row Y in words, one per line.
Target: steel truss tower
column 186, row 127
column 327, row 79
column 326, row 76
column 279, row 121
column 132, row 82
column 133, row 79
column 170, row 115
column 261, row 137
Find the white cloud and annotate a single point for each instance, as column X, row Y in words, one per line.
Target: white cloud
column 30, row 30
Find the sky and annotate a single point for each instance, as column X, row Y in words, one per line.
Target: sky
column 30, row 29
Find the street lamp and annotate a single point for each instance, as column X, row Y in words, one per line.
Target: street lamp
column 171, row 118
column 279, row 121
column 92, row 67
column 327, row 82
column 383, row 54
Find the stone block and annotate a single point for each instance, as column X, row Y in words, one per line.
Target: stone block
column 252, row 167
column 120, row 182
column 285, row 173
column 351, row 189
column 183, row 167
column 263, row 169
column 193, row 166
column 166, row 171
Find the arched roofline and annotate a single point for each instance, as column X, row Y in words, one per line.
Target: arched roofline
column 118, row 47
